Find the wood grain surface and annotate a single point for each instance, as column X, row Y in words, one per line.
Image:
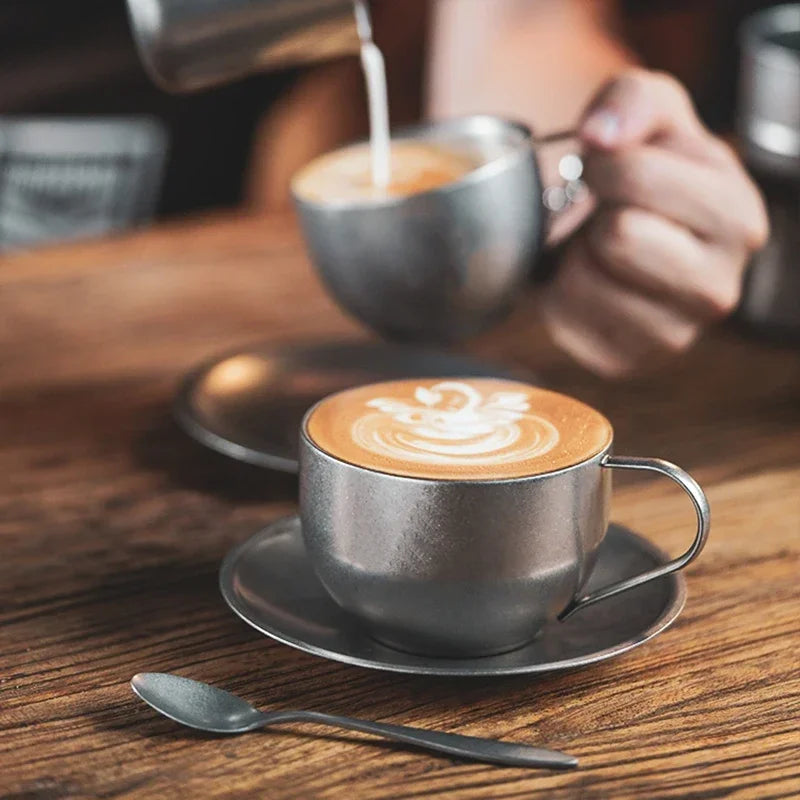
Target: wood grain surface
column 113, row 524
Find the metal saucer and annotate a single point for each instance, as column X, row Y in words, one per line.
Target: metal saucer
column 270, row 584
column 249, row 404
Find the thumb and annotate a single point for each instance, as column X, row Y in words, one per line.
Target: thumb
column 638, row 107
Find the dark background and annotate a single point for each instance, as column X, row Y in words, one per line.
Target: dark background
column 78, row 58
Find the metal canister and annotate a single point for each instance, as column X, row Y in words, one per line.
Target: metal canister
column 188, row 45
column 769, row 130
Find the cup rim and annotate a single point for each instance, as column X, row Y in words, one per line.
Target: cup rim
column 596, row 457
column 481, row 173
column 305, row 437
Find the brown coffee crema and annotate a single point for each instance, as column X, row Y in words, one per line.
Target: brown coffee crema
column 345, row 175
column 458, row 429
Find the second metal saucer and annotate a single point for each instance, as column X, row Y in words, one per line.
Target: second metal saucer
column 249, row 404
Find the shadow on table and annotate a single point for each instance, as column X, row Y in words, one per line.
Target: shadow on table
column 166, row 448
column 168, row 617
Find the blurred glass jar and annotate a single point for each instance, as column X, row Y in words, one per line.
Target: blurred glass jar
column 769, row 129
column 188, row 45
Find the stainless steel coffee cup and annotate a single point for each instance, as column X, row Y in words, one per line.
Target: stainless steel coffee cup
column 443, row 264
column 769, row 130
column 463, row 568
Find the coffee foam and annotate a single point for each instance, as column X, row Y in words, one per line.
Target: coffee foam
column 346, row 175
column 466, row 429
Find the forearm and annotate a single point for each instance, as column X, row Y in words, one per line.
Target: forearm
column 539, row 61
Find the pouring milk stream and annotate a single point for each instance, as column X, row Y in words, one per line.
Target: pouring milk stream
column 375, row 76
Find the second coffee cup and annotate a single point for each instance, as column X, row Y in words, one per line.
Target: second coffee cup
column 441, row 257
column 456, row 517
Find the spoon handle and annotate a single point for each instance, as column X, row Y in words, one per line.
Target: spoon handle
column 473, row 748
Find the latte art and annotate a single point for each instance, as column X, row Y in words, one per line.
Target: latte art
column 454, row 423
column 457, row 429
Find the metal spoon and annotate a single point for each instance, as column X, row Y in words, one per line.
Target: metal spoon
column 206, row 708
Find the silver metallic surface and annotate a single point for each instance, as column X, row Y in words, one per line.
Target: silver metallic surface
column 700, row 504
column 444, row 264
column 248, row 404
column 206, row 708
column 194, row 44
column 451, row 568
column 769, row 126
column 268, row 581
column 465, row 568
column 769, row 91
column 771, row 297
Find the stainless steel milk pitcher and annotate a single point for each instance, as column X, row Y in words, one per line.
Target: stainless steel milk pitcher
column 195, row 44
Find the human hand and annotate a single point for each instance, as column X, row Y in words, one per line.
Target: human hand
column 664, row 253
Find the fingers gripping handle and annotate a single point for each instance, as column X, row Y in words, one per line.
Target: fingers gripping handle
column 700, row 503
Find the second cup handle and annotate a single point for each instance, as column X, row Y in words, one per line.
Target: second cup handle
column 700, row 503
column 557, row 199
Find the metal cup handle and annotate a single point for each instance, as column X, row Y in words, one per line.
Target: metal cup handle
column 700, row 503
column 557, row 199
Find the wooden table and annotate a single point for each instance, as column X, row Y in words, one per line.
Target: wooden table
column 113, row 524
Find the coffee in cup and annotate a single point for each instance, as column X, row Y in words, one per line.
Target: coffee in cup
column 345, row 176
column 455, row 518
column 448, row 253
column 477, row 429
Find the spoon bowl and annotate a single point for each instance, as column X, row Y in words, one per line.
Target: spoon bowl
column 195, row 704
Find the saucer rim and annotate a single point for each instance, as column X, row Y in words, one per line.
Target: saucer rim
column 454, row 667
column 188, row 420
column 193, row 425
